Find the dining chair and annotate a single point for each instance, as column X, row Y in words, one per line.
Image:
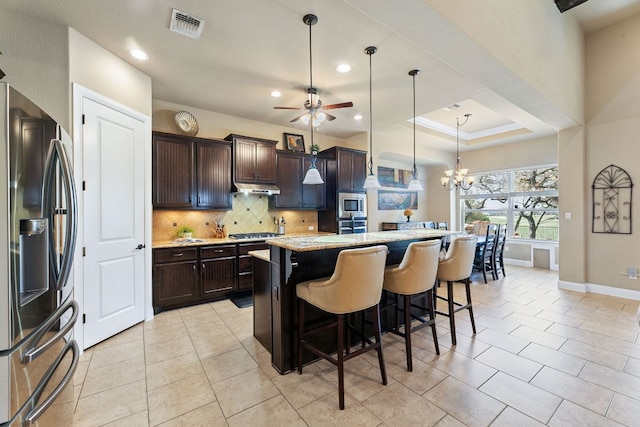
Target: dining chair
column 480, row 228
column 484, row 256
column 355, row 286
column 430, row 224
column 498, row 252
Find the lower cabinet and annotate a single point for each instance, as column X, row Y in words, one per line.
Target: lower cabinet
column 191, row 275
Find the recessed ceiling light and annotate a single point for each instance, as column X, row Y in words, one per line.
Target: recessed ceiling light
column 343, row 68
column 139, row 54
column 276, row 93
column 357, row 117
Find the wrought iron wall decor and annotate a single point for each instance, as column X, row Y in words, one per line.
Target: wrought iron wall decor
column 611, row 190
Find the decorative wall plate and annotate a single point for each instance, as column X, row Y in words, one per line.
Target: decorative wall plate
column 186, row 123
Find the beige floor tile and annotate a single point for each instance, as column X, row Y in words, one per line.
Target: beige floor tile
column 116, row 353
column 209, row 415
column 614, row 329
column 361, row 379
column 299, row 390
column 252, row 345
column 81, row 372
column 563, row 362
column 576, row 390
column 501, row 340
column 498, row 312
column 449, row 421
column 624, row 410
column 111, row 405
column 244, row 391
column 213, row 346
column 560, row 318
column 139, row 419
column 175, row 399
column 264, row 361
column 632, row 367
column 529, row 321
column 166, row 319
column 464, row 368
column 510, row 418
column 273, row 412
column 470, row 347
column 510, row 363
column 325, row 412
column 570, row 414
column 539, row 337
column 171, row 370
column 396, row 405
column 465, row 403
column 422, row 378
column 613, row 380
column 528, row 399
column 160, row 351
column 112, row 376
column 165, row 333
column 134, row 333
column 594, row 354
column 526, row 310
column 496, row 324
column 86, row 354
column 227, row 365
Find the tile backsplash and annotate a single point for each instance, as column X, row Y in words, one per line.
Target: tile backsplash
column 250, row 213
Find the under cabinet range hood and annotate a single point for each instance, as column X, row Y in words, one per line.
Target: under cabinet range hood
column 268, row 189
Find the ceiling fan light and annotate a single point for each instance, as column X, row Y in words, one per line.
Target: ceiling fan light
column 312, row 177
column 371, row 182
column 414, row 185
column 320, row 116
column 305, row 119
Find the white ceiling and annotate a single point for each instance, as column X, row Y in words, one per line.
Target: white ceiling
column 250, row 47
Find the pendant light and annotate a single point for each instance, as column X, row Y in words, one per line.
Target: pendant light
column 371, row 182
column 312, row 177
column 458, row 178
column 414, row 185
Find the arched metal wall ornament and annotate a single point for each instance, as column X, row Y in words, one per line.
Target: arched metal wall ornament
column 612, row 189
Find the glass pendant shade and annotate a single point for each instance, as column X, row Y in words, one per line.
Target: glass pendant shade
column 313, row 176
column 414, row 185
column 371, row 182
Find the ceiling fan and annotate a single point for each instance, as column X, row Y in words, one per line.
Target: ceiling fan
column 315, row 110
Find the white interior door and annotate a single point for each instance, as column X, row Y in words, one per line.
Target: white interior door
column 113, row 175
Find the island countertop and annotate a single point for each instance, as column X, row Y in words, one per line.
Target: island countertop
column 316, row 243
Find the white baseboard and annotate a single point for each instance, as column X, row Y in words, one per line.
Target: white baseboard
column 518, row 262
column 599, row 289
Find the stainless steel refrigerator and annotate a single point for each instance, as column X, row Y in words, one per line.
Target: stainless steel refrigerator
column 38, row 355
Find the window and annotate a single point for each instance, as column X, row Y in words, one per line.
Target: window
column 525, row 199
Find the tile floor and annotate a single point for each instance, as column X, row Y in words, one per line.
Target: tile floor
column 542, row 356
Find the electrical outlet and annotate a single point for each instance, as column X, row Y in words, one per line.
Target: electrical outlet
column 311, row 228
column 632, row 273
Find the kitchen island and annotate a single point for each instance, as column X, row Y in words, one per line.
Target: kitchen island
column 298, row 259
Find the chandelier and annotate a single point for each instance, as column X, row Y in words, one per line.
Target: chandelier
column 457, row 178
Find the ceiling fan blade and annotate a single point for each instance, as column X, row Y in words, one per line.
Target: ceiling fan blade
column 330, row 117
column 340, row 105
column 295, row 119
column 287, row 108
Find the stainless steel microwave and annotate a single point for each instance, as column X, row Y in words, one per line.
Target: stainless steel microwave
column 352, row 205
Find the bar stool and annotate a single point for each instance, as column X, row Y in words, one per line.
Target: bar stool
column 416, row 274
column 456, row 266
column 356, row 285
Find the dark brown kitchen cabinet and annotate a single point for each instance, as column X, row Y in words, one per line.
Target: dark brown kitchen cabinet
column 291, row 169
column 218, row 270
column 175, row 276
column 352, row 169
column 245, row 264
column 191, row 173
column 254, row 159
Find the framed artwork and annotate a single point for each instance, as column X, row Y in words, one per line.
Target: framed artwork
column 294, row 142
column 390, row 177
column 397, row 200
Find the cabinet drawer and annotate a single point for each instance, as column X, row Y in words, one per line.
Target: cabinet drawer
column 218, row 251
column 175, row 255
column 244, row 248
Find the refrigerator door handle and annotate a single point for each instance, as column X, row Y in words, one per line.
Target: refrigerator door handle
column 58, row 156
column 32, row 417
column 33, row 352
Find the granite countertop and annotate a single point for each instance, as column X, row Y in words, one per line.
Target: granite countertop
column 316, row 243
column 263, row 254
column 180, row 243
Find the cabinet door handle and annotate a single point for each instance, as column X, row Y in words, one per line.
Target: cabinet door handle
column 194, row 268
column 189, row 199
column 218, row 251
column 202, row 267
column 178, row 254
column 198, row 199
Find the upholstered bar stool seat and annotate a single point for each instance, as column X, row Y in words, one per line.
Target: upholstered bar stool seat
column 356, row 285
column 415, row 275
column 456, row 266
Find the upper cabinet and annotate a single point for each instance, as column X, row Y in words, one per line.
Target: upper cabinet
column 351, row 168
column 191, row 173
column 291, row 169
column 254, row 159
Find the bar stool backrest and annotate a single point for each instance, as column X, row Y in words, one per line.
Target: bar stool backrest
column 458, row 262
column 417, row 271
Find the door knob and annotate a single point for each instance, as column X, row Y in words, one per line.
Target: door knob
column 140, row 246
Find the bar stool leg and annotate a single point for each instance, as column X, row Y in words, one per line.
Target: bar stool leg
column 340, row 360
column 376, row 330
column 300, row 332
column 407, row 330
column 452, row 314
column 467, row 286
column 432, row 316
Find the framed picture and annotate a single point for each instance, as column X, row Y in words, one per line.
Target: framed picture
column 294, row 142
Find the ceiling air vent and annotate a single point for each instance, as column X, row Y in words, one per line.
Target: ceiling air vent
column 186, row 24
column 452, row 107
